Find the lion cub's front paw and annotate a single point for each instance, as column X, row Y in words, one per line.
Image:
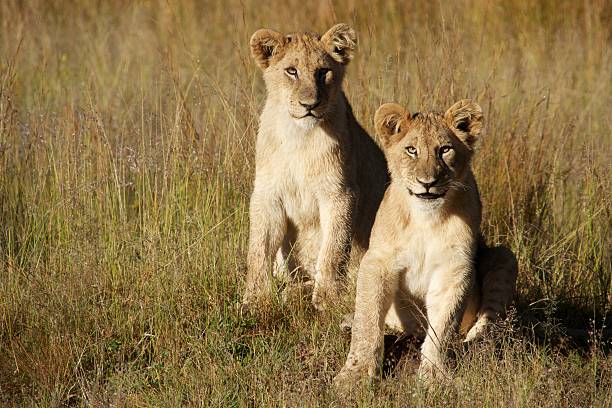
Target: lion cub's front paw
column 430, row 373
column 253, row 300
column 345, row 380
column 351, row 378
column 357, row 371
column 324, row 294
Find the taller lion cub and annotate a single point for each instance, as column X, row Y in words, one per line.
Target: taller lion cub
column 319, row 176
column 424, row 243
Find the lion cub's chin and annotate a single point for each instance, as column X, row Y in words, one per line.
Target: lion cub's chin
column 307, row 123
column 426, row 205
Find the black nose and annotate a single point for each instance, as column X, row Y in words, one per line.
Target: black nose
column 428, row 183
column 310, row 106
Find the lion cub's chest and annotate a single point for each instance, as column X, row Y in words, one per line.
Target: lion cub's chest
column 300, row 202
column 432, row 252
column 311, row 170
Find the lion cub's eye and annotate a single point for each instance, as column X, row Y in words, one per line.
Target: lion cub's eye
column 411, row 150
column 445, row 149
column 292, row 72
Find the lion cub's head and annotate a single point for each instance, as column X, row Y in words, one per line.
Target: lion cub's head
column 429, row 153
column 304, row 71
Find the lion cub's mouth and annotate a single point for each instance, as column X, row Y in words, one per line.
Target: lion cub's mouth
column 310, row 114
column 429, row 196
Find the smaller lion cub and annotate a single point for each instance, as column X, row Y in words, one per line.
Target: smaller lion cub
column 424, row 242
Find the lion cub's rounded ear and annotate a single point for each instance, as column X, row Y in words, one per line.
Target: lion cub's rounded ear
column 465, row 119
column 264, row 44
column 340, row 41
column 387, row 121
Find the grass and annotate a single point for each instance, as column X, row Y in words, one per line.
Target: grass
column 127, row 132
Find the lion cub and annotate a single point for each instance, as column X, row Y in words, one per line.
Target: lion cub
column 319, row 176
column 419, row 271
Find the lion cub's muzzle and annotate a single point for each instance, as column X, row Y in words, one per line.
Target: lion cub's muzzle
column 307, row 106
column 308, row 110
column 432, row 189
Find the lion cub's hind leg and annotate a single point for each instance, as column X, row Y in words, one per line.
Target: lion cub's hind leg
column 470, row 315
column 497, row 271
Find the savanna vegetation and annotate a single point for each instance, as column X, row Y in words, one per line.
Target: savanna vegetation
column 127, row 133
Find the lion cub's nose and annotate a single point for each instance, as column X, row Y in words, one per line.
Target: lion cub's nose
column 310, row 105
column 428, row 183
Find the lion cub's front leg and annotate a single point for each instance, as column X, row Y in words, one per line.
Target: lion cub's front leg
column 335, row 212
column 374, row 285
column 267, row 229
column 445, row 302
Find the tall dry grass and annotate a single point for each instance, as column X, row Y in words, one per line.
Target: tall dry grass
column 126, row 158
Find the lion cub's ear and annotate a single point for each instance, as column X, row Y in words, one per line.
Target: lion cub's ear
column 465, row 119
column 387, row 121
column 264, row 44
column 340, row 41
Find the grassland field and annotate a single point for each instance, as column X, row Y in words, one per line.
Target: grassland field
column 127, row 132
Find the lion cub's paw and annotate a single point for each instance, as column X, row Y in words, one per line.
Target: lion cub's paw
column 351, row 379
column 253, row 301
column 430, row 373
column 344, row 381
column 478, row 330
column 324, row 294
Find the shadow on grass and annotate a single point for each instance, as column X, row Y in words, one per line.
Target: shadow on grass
column 547, row 326
column 565, row 326
column 400, row 347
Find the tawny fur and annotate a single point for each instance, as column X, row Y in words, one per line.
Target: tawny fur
column 419, row 273
column 319, row 176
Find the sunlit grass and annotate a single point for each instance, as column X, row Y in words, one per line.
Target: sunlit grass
column 126, row 161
